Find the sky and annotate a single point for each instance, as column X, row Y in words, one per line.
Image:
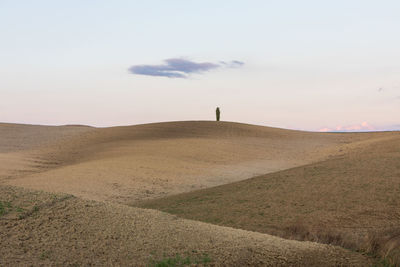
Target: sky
column 308, row 65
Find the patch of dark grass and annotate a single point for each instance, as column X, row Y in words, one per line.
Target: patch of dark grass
column 19, row 209
column 6, row 207
column 205, row 259
column 178, row 260
column 44, row 255
column 2, row 208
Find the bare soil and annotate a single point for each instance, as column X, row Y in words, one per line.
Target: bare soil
column 89, row 178
column 65, row 230
column 343, row 200
column 128, row 164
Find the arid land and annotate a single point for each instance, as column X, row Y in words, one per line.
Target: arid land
column 216, row 193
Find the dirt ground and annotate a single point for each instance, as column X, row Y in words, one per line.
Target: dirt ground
column 86, row 177
column 343, row 200
column 128, row 164
column 54, row 229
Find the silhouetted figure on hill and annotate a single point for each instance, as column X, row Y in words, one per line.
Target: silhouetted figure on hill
column 218, row 113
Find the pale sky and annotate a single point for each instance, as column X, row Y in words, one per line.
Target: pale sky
column 311, row 65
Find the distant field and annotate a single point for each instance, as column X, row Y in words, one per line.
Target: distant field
column 132, row 163
column 67, row 195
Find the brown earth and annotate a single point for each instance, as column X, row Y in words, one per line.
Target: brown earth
column 22, row 147
column 62, row 230
column 343, row 200
column 125, row 165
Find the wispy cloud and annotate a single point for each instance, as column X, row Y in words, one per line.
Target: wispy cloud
column 364, row 126
column 181, row 68
column 232, row 64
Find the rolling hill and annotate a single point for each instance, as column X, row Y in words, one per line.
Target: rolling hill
column 90, row 179
column 128, row 164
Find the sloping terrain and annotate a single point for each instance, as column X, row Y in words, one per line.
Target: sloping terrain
column 22, row 137
column 103, row 169
column 128, row 164
column 47, row 229
column 343, row 200
column 22, row 147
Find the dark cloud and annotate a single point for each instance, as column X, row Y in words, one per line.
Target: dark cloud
column 180, row 68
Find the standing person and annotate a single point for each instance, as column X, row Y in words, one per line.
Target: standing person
column 218, row 113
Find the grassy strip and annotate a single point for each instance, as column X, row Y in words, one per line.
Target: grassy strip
column 178, row 260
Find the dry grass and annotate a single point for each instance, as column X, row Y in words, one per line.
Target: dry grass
column 385, row 244
column 339, row 201
column 342, row 182
column 68, row 231
column 126, row 164
column 301, row 231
